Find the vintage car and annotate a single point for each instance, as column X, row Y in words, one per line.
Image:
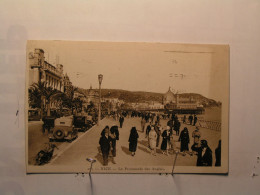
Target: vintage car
column 63, row 130
column 82, row 122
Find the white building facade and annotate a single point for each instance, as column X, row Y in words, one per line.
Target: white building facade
column 41, row 70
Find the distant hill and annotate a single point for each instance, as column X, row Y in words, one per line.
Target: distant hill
column 141, row 96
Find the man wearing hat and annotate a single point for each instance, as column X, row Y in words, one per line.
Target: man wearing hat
column 114, row 135
column 204, row 154
column 196, row 134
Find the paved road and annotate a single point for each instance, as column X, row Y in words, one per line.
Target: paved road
column 75, row 154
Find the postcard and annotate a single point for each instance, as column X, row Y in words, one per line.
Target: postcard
column 126, row 107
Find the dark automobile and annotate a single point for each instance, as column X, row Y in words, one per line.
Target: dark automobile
column 82, row 123
column 63, row 130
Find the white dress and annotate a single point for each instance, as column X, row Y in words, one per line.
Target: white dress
column 152, row 139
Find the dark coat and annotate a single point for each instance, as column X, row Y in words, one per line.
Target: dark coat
column 148, row 129
column 177, row 125
column 165, row 140
column 206, row 159
column 218, row 156
column 184, row 119
column 104, row 143
column 185, row 140
column 133, row 141
column 121, row 119
column 114, row 131
column 170, row 123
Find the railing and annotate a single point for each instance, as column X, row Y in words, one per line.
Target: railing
column 210, row 125
column 213, row 125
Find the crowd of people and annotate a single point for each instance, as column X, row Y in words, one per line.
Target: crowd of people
column 161, row 138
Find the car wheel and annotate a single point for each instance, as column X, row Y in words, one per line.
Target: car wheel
column 58, row 134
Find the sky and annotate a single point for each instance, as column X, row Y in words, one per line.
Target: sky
column 152, row 67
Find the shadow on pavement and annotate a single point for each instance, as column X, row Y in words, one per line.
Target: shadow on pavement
column 99, row 156
column 144, row 143
column 125, row 150
column 158, row 150
column 144, row 149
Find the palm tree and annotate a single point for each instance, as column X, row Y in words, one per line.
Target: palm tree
column 36, row 95
column 34, row 98
column 77, row 104
column 70, row 101
column 39, row 92
column 50, row 96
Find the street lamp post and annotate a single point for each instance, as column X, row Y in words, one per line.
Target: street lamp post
column 100, row 78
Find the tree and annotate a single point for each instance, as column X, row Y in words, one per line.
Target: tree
column 51, row 95
column 40, row 93
column 34, row 98
column 36, row 95
column 77, row 103
column 69, row 101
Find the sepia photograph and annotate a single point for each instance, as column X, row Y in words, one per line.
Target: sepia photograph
column 126, row 107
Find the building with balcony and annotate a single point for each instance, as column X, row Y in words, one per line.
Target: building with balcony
column 41, row 70
column 67, row 85
column 179, row 104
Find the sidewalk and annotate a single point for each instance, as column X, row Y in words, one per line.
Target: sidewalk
column 88, row 146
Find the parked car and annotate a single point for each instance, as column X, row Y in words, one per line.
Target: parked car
column 82, row 122
column 63, row 130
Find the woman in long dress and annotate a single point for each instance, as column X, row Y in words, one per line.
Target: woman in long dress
column 165, row 141
column 152, row 140
column 133, row 138
column 185, row 140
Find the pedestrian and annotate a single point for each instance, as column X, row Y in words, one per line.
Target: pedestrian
column 114, row 134
column 143, row 124
column 177, row 126
column 157, row 129
column 105, row 129
column 165, row 141
column 152, row 140
column 133, row 138
column 171, row 142
column 158, row 119
column 196, row 134
column 170, row 124
column 185, row 140
column 146, row 117
column 204, row 154
column 104, row 143
column 190, row 119
column 121, row 120
column 195, row 120
column 218, row 155
column 184, row 119
column 173, row 116
column 148, row 129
